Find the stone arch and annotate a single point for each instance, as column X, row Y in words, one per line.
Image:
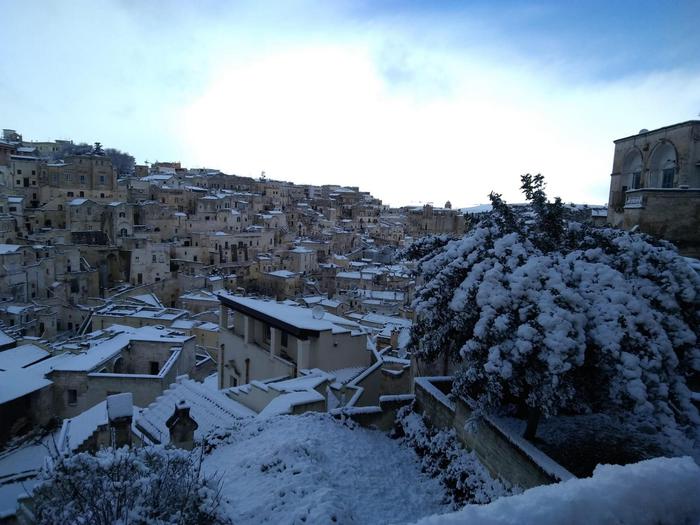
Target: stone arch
column 663, row 166
column 632, row 168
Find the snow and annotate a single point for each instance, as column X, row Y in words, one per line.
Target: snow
column 149, row 299
column 76, row 430
column 108, row 343
column 20, row 382
column 297, row 316
column 120, row 405
column 209, row 407
column 661, row 491
column 297, row 384
column 8, row 248
column 285, row 403
column 5, row 339
column 21, row 356
column 315, row 469
column 427, row 384
column 285, row 274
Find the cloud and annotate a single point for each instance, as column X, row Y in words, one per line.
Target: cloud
column 413, row 103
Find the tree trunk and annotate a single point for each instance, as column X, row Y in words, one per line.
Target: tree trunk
column 533, row 420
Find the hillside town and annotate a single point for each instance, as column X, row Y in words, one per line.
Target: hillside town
column 161, row 304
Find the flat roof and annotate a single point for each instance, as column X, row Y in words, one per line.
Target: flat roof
column 678, row 125
column 296, row 320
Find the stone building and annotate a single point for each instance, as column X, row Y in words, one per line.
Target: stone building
column 144, row 361
column 91, row 176
column 655, row 184
column 430, row 220
column 264, row 339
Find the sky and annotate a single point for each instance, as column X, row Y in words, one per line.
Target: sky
column 413, row 101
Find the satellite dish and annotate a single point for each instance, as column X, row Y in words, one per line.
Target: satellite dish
column 318, row 312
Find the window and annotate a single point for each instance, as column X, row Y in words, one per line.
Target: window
column 19, row 172
column 155, row 368
column 153, row 258
column 284, row 340
column 72, row 396
column 102, row 179
column 668, row 174
column 82, row 179
column 636, row 180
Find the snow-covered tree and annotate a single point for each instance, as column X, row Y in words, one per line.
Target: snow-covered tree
column 129, row 485
column 545, row 313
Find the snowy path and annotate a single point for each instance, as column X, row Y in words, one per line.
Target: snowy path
column 313, row 469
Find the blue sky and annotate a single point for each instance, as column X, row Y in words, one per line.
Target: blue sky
column 414, row 101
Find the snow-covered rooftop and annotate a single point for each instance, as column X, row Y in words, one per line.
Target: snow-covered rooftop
column 209, row 408
column 296, row 316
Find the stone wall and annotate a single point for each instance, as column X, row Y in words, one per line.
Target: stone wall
column 503, row 456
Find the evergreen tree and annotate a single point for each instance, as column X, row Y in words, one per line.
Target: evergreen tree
column 544, row 313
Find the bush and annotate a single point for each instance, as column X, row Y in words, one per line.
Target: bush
column 465, row 479
column 138, row 485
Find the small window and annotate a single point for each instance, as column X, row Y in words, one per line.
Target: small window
column 155, row 368
column 284, row 340
column 72, row 396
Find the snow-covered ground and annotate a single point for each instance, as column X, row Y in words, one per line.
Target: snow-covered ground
column 315, row 469
column 660, row 491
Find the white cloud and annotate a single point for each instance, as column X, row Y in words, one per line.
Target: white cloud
column 438, row 126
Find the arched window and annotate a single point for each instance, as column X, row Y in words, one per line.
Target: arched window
column 123, row 232
column 632, row 171
column 663, row 166
column 118, row 366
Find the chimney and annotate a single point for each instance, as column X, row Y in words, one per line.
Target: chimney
column 395, row 339
column 120, row 411
column 182, row 426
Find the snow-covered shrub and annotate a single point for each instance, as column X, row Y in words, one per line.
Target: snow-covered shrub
column 465, row 479
column 546, row 313
column 128, row 485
